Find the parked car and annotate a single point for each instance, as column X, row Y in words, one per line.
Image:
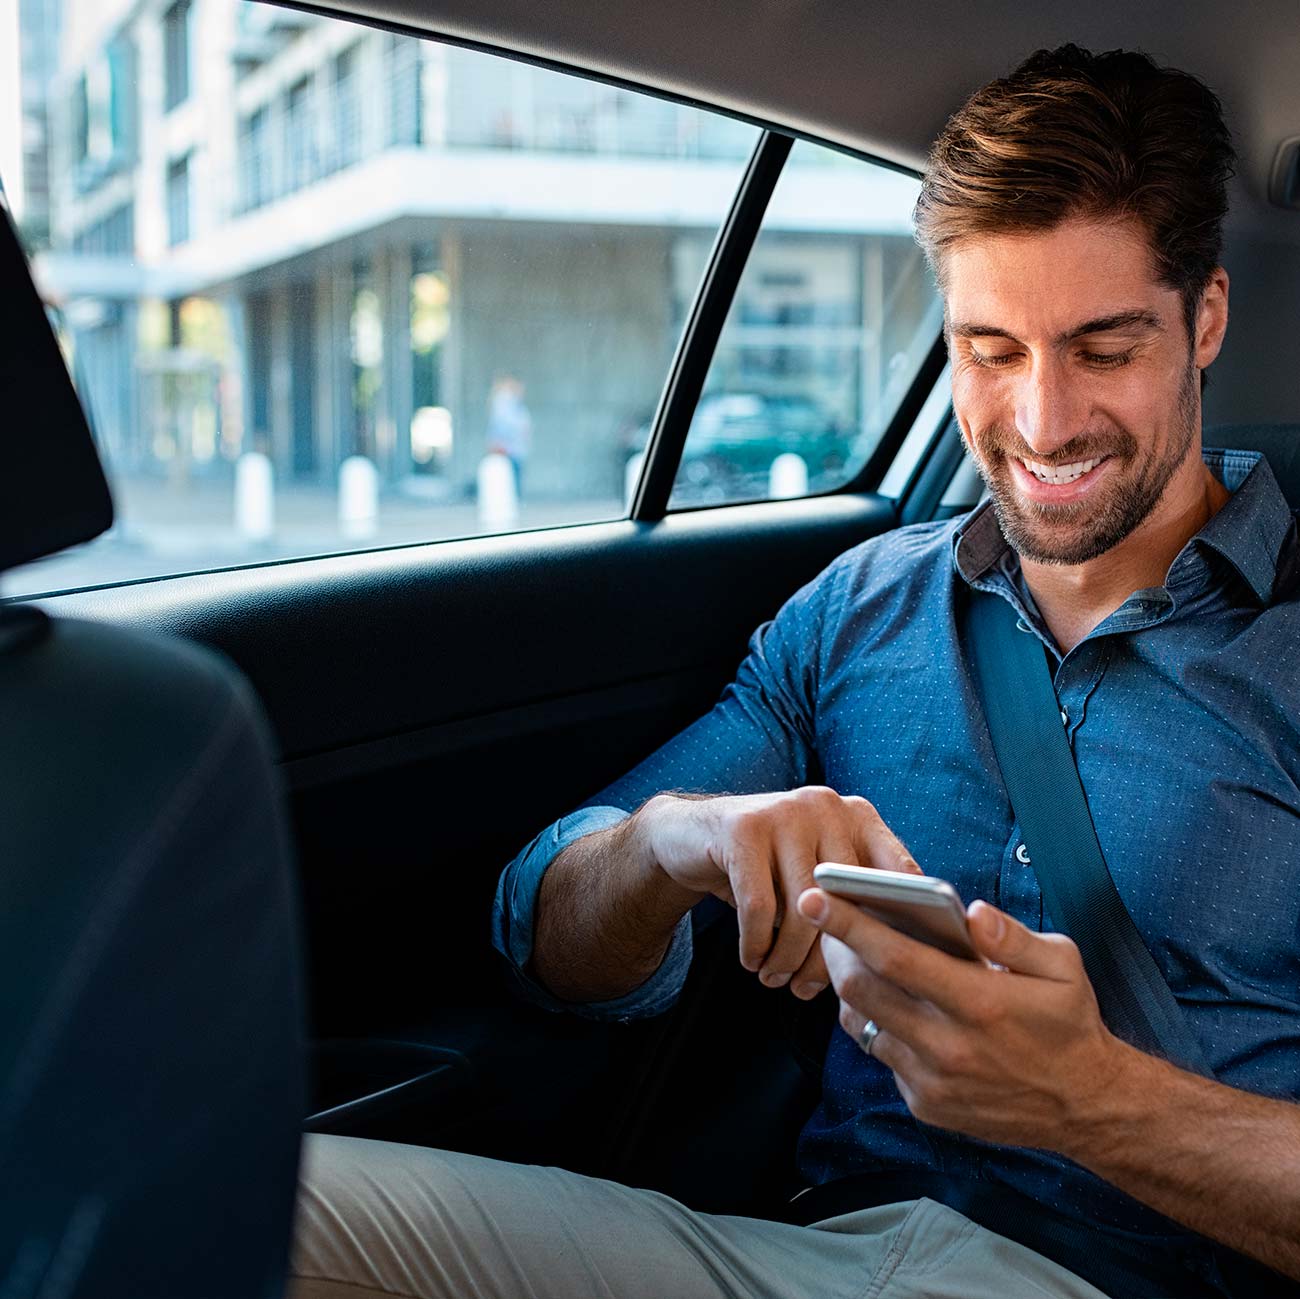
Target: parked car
column 736, row 437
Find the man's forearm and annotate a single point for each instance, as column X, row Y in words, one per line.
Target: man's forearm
column 605, row 915
column 1221, row 1161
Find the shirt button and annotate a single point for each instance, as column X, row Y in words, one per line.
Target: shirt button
column 1065, row 718
column 1022, row 854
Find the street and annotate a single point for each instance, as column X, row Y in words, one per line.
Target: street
column 165, row 528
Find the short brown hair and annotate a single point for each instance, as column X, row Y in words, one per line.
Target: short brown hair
column 1075, row 134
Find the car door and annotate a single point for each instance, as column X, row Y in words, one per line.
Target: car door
column 450, row 680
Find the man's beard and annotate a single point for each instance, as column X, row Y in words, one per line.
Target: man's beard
column 1076, row 532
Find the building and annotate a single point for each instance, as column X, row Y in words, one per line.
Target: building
column 277, row 232
column 38, row 61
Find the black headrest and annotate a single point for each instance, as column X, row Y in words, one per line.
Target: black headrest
column 52, row 488
column 1280, row 444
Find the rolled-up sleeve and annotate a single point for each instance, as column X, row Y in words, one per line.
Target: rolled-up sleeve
column 514, row 912
column 758, row 738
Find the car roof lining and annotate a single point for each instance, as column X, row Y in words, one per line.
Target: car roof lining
column 833, row 70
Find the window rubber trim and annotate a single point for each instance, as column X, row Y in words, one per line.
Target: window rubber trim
column 699, row 340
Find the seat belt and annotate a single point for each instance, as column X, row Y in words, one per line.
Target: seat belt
column 1048, row 799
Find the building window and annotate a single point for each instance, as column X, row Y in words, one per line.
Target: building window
column 255, row 161
column 299, row 139
column 103, row 118
column 178, row 201
column 402, row 76
column 176, row 54
column 111, row 236
column 347, row 110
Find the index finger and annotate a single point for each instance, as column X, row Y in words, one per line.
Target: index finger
column 877, row 845
column 948, row 982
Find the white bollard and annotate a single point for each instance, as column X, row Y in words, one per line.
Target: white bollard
column 358, row 498
column 787, row 477
column 498, row 493
column 254, row 497
column 631, row 476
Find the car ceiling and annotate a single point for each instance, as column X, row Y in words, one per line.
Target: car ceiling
column 882, row 78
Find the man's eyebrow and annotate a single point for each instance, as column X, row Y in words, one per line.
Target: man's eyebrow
column 1136, row 319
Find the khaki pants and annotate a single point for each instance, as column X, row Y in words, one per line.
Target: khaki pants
column 375, row 1218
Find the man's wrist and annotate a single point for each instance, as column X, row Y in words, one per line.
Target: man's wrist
column 664, row 894
column 1119, row 1096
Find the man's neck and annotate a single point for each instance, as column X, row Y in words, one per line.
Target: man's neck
column 1074, row 599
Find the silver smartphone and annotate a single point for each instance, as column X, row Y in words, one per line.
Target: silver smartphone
column 920, row 906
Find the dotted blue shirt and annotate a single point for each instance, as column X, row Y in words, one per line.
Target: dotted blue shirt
column 1182, row 709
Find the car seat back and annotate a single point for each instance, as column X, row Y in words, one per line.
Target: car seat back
column 150, row 1012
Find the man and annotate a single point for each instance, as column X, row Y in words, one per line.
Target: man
column 1072, row 215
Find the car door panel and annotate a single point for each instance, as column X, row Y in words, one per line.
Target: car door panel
column 436, row 706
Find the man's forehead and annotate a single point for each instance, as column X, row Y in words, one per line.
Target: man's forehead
column 1055, row 282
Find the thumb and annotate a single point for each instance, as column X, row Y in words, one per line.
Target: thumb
column 1005, row 941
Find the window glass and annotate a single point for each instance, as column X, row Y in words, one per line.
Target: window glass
column 178, row 201
column 832, row 319
column 357, row 289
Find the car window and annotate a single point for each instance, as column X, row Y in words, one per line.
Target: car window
column 833, row 317
column 323, row 287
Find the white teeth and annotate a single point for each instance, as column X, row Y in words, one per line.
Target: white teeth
column 1059, row 474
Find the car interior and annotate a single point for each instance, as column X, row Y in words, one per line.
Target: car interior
column 436, row 705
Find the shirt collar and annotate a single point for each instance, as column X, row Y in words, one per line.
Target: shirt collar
column 1248, row 531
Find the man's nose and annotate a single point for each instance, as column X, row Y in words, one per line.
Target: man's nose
column 1051, row 407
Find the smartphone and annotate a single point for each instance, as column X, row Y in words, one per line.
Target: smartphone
column 920, row 906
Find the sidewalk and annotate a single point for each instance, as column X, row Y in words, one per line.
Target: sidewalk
column 163, row 528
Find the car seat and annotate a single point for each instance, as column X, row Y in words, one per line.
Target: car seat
column 151, row 1083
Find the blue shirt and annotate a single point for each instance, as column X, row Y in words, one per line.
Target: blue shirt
column 1182, row 710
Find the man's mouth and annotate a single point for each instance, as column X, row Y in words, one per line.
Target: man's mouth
column 1058, row 475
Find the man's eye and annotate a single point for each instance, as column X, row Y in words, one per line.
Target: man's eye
column 1106, row 360
column 992, row 362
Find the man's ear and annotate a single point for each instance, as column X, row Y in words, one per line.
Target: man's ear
column 1211, row 319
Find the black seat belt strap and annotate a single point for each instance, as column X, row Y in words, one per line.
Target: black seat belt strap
column 1048, row 799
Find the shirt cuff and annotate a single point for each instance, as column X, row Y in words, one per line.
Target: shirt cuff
column 514, row 911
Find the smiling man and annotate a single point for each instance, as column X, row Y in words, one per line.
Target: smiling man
column 982, row 1132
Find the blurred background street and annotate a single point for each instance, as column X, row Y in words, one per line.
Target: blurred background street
column 165, row 529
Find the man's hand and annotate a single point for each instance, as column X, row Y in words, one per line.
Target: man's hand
column 1017, row 1056
column 757, row 853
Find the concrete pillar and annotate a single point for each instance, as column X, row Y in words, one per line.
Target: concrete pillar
column 281, row 423
column 398, row 406
column 462, row 466
column 327, row 417
column 236, row 401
